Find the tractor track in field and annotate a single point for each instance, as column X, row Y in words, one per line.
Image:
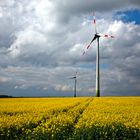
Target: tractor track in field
column 56, row 112
column 52, row 113
column 82, row 111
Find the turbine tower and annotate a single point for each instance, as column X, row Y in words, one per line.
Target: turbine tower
column 75, row 82
column 97, row 37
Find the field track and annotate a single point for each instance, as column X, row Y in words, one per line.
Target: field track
column 82, row 118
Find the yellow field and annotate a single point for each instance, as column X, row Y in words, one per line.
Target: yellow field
column 102, row 118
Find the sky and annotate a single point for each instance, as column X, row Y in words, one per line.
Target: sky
column 41, row 46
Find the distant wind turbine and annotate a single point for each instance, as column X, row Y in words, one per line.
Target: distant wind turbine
column 96, row 36
column 75, row 82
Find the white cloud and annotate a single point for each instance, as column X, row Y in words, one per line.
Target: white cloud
column 64, row 88
column 28, row 41
column 4, row 79
column 7, row 2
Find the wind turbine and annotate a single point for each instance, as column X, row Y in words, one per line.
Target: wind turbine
column 75, row 82
column 96, row 37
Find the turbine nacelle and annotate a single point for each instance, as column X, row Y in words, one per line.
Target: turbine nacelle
column 73, row 77
column 97, row 35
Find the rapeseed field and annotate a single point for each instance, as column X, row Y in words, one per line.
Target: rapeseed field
column 89, row 118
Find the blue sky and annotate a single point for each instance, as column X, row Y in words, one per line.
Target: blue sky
column 132, row 15
column 41, row 44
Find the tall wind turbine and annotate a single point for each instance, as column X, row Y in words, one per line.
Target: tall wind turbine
column 75, row 82
column 96, row 37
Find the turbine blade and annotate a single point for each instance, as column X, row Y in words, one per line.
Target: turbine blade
column 83, row 52
column 88, row 46
column 108, row 36
column 94, row 22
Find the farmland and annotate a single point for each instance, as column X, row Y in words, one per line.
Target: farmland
column 70, row 118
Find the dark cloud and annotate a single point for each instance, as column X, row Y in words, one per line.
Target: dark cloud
column 67, row 9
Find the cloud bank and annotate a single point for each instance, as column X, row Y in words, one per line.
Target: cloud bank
column 41, row 46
